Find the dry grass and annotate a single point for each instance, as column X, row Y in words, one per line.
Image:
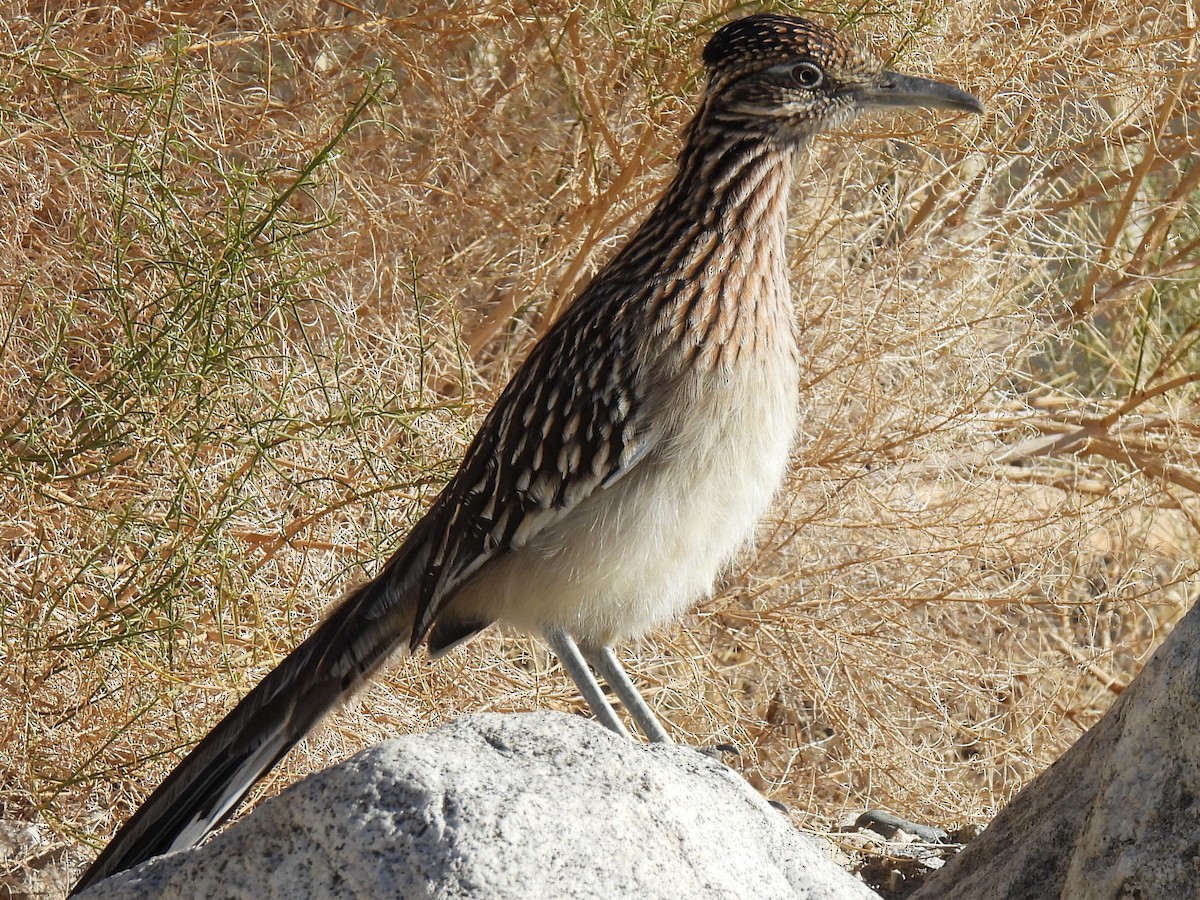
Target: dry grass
column 262, row 271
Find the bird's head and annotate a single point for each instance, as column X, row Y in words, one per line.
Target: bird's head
column 789, row 78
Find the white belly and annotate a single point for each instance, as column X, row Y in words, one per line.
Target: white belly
column 643, row 550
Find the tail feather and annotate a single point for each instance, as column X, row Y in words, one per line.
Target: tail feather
column 343, row 652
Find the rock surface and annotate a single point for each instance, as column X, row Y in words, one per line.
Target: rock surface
column 1117, row 816
column 506, row 806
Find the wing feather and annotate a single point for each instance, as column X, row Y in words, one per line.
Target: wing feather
column 566, row 426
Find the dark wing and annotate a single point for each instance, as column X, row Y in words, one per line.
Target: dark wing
column 566, row 425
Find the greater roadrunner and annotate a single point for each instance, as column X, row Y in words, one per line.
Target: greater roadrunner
column 627, row 460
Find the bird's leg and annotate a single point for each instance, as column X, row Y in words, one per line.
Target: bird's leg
column 605, row 662
column 567, row 651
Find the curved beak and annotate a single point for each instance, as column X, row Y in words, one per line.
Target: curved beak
column 894, row 89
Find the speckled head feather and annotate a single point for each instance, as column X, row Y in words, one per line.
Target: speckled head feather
column 783, row 78
column 758, row 42
column 787, row 78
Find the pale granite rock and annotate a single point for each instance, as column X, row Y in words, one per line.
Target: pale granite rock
column 506, row 806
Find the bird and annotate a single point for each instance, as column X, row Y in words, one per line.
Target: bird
column 628, row 459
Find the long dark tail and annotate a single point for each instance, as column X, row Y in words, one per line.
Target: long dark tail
column 367, row 627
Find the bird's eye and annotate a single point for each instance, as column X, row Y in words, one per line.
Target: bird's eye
column 807, row 75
